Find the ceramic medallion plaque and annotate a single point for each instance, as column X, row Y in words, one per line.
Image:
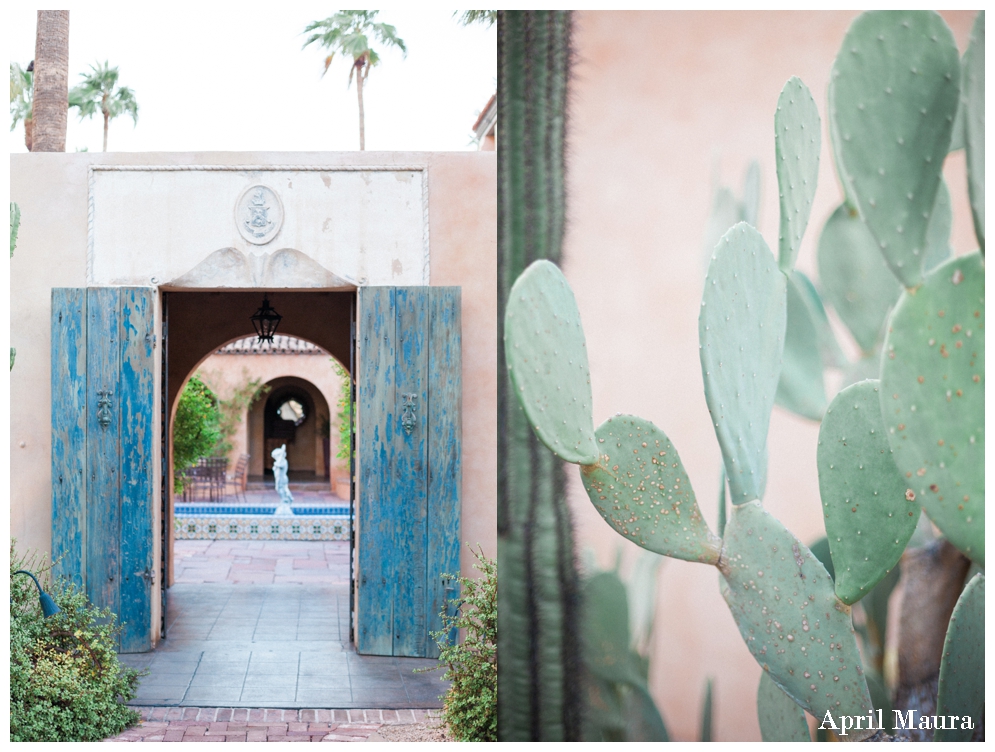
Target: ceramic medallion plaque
column 258, row 214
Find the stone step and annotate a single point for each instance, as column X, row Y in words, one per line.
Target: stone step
column 298, row 486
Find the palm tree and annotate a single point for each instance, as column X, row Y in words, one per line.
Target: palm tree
column 50, row 106
column 99, row 92
column 21, row 91
column 348, row 31
column 467, row 17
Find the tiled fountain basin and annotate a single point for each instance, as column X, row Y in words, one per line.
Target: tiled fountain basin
column 217, row 522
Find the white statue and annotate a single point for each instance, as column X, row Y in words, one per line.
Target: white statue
column 282, row 484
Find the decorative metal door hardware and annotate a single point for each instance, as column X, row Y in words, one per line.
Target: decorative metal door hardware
column 408, row 407
column 104, row 407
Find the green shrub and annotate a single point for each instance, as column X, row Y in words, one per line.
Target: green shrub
column 196, row 428
column 66, row 683
column 345, row 409
column 470, row 704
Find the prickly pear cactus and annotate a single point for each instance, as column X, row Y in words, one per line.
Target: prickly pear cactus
column 15, row 225
column 962, row 669
column 620, row 707
column 855, row 278
column 781, row 720
column 741, row 329
column 727, row 210
column 933, row 399
column 783, row 602
column 893, row 95
column 797, row 140
column 547, row 362
column 941, row 221
column 641, row 489
column 869, row 514
column 974, row 124
column 801, row 387
column 914, row 438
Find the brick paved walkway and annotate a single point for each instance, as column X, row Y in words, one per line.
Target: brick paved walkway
column 263, row 725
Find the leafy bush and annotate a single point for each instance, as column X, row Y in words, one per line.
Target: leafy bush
column 196, row 429
column 345, row 408
column 66, row 683
column 470, row 704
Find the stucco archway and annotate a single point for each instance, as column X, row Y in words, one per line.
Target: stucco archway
column 196, row 324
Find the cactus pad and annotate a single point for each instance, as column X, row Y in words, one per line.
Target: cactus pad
column 893, row 96
column 741, row 329
column 797, row 141
column 781, row 720
column 723, row 500
column 933, row 399
column 962, row 669
column 832, row 354
column 938, row 230
column 783, row 602
column 641, row 489
column 973, row 83
column 547, row 362
column 801, row 389
column 869, row 518
column 855, row 278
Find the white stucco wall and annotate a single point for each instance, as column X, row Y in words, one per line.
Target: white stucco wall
column 368, row 225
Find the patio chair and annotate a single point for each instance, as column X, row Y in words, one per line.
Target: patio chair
column 237, row 478
column 206, row 479
column 216, row 475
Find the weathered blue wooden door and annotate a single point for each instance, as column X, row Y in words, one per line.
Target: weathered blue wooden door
column 408, row 451
column 102, row 449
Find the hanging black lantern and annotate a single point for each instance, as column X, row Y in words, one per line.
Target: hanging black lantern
column 265, row 321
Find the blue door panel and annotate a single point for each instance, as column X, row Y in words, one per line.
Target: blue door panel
column 408, row 445
column 102, row 449
column 69, row 433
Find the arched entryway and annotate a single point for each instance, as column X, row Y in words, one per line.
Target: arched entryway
column 197, row 324
column 408, row 459
column 294, row 413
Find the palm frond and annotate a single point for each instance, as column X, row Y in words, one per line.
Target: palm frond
column 349, row 32
column 99, row 90
column 488, row 17
column 21, row 94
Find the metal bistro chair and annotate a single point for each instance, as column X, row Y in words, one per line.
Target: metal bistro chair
column 217, row 469
column 237, row 478
column 191, row 478
column 207, row 476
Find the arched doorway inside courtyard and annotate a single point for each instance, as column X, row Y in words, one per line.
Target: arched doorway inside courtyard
column 205, row 335
column 294, row 413
column 227, row 520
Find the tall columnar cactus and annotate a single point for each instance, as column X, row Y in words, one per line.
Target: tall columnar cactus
column 914, row 438
column 15, row 225
column 538, row 613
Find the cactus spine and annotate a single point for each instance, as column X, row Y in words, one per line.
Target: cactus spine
column 538, row 676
